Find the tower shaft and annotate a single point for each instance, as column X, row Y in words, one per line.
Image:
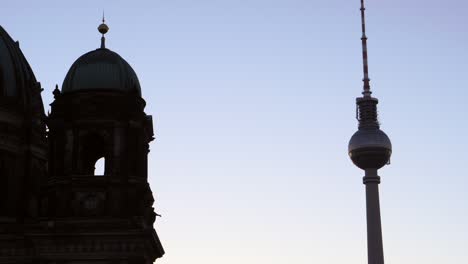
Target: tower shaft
column 374, row 227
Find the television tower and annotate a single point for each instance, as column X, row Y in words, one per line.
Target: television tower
column 370, row 149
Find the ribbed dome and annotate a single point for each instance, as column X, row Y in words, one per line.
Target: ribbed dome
column 20, row 95
column 101, row 69
column 16, row 76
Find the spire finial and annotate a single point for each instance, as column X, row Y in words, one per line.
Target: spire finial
column 367, row 92
column 103, row 28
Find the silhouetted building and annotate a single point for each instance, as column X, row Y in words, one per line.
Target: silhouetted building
column 53, row 208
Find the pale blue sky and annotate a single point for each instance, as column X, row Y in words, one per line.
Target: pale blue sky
column 253, row 103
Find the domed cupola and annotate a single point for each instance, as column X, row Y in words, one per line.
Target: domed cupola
column 17, row 81
column 101, row 70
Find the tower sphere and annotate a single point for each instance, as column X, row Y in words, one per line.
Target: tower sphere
column 370, row 148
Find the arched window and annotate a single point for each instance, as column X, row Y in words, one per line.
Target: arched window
column 93, row 155
column 99, row 167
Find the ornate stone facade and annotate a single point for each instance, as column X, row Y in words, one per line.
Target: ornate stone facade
column 53, row 208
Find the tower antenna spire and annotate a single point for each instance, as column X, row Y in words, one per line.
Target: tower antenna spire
column 367, row 92
column 103, row 28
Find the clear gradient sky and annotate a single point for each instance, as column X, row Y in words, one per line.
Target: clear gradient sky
column 253, row 102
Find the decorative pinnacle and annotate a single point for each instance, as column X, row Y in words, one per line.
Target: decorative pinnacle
column 367, row 92
column 103, row 29
column 56, row 92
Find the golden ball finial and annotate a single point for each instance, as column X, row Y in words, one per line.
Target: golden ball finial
column 103, row 28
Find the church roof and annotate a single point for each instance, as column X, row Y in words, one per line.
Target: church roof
column 16, row 76
column 101, row 69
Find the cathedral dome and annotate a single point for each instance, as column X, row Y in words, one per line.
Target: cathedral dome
column 101, row 69
column 16, row 76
